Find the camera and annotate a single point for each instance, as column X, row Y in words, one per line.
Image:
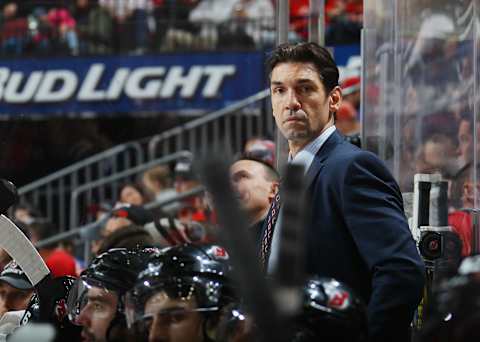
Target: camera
column 439, row 243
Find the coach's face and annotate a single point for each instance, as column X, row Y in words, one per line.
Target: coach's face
column 301, row 107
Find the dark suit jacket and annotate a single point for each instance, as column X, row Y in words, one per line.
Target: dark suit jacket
column 359, row 235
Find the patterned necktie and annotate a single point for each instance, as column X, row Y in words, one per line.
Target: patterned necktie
column 268, row 233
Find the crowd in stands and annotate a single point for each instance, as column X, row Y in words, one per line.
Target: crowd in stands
column 92, row 27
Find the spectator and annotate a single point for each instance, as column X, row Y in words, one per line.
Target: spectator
column 344, row 18
column 346, row 119
column 351, row 91
column 208, row 14
column 461, row 223
column 466, row 141
column 130, row 23
column 94, row 27
column 14, row 30
column 41, row 35
column 112, row 225
column 299, row 11
column 64, row 27
column 142, row 11
column 214, row 11
column 465, row 155
column 25, row 213
column 461, row 198
column 437, row 154
column 60, row 262
column 173, row 27
column 193, row 208
column 133, row 194
column 123, row 215
column 159, row 182
column 255, row 17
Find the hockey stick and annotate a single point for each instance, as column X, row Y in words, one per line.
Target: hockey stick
column 14, row 241
column 233, row 234
column 20, row 249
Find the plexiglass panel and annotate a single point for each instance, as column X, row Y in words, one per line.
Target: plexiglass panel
column 419, row 90
column 420, row 94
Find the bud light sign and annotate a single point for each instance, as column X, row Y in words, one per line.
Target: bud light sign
column 189, row 83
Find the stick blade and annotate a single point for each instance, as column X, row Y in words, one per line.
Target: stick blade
column 17, row 245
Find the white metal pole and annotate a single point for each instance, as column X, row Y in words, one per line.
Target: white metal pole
column 283, row 24
column 282, row 21
column 316, row 22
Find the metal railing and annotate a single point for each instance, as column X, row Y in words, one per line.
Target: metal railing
column 50, row 194
column 226, row 129
column 95, row 191
column 88, row 232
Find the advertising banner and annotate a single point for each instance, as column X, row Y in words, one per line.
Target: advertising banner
column 190, row 83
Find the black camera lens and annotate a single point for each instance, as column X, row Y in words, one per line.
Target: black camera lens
column 430, row 245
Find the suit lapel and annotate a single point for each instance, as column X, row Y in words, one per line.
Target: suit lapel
column 322, row 155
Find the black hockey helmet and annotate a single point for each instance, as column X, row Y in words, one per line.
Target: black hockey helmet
column 115, row 272
column 50, row 306
column 331, row 312
column 180, row 273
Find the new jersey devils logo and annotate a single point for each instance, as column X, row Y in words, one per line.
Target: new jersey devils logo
column 339, row 300
column 60, row 309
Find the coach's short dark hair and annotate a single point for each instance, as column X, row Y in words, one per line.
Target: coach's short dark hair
column 307, row 53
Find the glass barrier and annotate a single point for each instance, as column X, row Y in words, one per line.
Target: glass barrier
column 420, row 94
column 420, row 98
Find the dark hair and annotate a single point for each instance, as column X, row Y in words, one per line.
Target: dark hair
column 43, row 229
column 468, row 117
column 306, row 53
column 129, row 237
column 136, row 186
column 32, row 211
column 271, row 174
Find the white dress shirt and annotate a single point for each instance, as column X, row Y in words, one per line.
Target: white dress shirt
column 304, row 157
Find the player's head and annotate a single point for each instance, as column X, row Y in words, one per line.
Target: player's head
column 331, row 312
column 49, row 305
column 96, row 303
column 179, row 296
